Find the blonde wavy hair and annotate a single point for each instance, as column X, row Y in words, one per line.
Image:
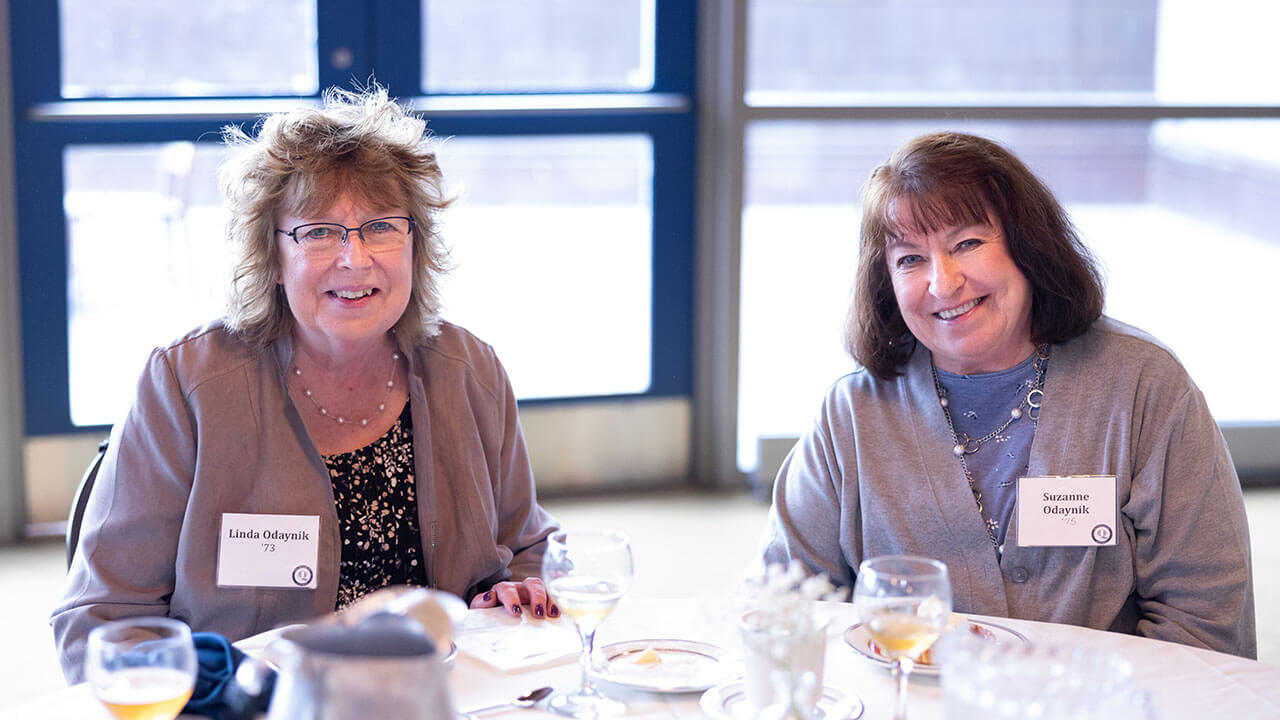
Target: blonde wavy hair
column 361, row 143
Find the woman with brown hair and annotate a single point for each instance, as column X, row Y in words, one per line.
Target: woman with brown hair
column 1062, row 464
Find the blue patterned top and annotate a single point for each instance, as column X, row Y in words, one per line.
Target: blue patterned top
column 979, row 404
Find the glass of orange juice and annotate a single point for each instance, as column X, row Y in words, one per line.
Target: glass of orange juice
column 142, row 668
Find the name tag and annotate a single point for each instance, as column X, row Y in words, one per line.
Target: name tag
column 268, row 550
column 1072, row 511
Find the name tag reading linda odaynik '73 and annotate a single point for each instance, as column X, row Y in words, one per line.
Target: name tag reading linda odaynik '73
column 257, row 550
column 1067, row 511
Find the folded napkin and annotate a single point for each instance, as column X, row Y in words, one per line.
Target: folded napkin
column 217, row 694
column 509, row 643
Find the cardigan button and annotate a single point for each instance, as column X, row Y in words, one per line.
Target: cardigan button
column 1019, row 575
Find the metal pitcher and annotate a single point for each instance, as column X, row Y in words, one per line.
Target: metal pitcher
column 385, row 666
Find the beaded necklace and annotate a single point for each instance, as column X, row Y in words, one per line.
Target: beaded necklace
column 382, row 404
column 1028, row 406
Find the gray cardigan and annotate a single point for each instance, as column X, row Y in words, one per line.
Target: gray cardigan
column 876, row 476
column 213, row 430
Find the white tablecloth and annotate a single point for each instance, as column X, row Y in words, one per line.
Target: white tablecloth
column 1184, row 682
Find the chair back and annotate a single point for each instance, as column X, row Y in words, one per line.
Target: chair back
column 76, row 516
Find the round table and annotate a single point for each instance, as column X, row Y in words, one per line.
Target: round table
column 1183, row 682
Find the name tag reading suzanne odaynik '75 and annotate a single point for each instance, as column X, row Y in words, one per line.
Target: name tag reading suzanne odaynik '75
column 1067, row 511
column 256, row 550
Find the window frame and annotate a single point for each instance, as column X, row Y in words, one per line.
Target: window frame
column 380, row 34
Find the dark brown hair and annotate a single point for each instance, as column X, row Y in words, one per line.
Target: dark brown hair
column 946, row 179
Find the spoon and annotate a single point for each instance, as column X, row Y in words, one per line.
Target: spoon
column 528, row 699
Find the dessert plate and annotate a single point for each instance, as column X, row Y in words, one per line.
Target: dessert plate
column 859, row 638
column 728, row 701
column 662, row 665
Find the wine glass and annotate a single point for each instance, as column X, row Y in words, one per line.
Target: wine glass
column 904, row 602
column 586, row 572
column 142, row 668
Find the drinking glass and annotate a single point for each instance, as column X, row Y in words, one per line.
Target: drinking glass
column 586, row 572
column 982, row 680
column 904, row 602
column 141, row 668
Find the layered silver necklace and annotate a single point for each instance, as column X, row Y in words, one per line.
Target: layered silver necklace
column 382, row 404
column 1028, row 406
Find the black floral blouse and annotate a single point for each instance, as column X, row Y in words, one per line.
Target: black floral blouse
column 376, row 497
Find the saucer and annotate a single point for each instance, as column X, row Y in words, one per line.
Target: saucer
column 728, row 701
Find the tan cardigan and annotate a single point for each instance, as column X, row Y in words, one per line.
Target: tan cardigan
column 213, row 430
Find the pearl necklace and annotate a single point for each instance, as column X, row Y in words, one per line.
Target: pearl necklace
column 382, row 404
column 966, row 445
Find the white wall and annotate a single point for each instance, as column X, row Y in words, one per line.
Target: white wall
column 574, row 446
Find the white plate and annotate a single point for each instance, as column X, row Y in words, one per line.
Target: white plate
column 683, row 665
column 859, row 638
column 728, row 701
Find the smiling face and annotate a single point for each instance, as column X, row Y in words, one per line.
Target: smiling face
column 345, row 301
column 961, row 295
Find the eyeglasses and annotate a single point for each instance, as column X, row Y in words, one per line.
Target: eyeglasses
column 382, row 234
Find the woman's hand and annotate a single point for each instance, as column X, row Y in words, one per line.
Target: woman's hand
column 513, row 595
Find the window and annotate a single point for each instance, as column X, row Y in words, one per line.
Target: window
column 550, row 45
column 552, row 246
column 144, row 241
column 140, row 48
column 1153, row 122
column 570, row 257
column 571, row 132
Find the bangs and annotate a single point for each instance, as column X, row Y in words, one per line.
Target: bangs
column 922, row 213
column 310, row 193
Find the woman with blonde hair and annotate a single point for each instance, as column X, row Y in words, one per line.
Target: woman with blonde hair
column 332, row 435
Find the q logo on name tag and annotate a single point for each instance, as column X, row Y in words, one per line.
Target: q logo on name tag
column 268, row 550
column 303, row 575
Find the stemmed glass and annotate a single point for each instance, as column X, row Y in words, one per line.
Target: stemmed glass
column 141, row 668
column 586, row 573
column 904, row 602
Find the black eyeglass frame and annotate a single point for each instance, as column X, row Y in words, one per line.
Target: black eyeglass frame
column 346, row 231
